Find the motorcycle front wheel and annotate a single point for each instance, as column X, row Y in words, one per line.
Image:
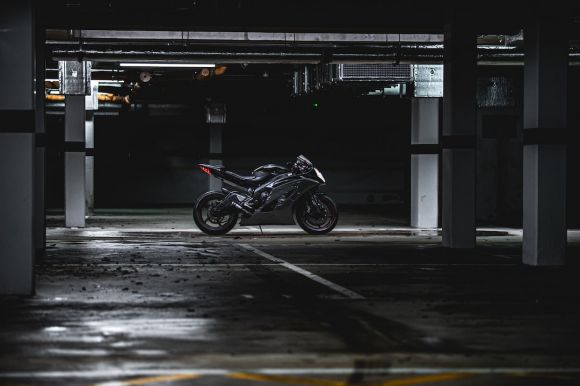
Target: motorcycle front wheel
column 207, row 221
column 317, row 220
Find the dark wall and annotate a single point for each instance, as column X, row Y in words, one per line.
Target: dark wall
column 147, row 157
column 573, row 201
column 500, row 144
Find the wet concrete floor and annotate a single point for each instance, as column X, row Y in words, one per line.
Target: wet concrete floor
column 143, row 298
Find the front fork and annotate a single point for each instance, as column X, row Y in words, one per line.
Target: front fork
column 314, row 202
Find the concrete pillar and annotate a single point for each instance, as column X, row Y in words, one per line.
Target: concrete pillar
column 17, row 147
column 90, row 162
column 544, row 156
column 215, row 151
column 424, row 162
column 216, row 119
column 74, row 161
column 458, row 140
column 40, row 156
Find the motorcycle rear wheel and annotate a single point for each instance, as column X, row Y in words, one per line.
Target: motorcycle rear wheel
column 314, row 223
column 209, row 223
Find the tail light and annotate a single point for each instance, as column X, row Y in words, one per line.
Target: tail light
column 205, row 170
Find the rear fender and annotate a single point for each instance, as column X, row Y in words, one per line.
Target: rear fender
column 212, row 170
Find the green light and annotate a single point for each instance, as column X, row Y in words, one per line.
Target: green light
column 315, row 104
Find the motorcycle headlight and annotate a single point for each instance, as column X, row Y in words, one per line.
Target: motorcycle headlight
column 319, row 175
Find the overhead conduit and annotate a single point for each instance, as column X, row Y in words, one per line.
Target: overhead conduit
column 103, row 97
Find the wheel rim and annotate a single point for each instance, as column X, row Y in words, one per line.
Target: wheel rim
column 208, row 219
column 318, row 222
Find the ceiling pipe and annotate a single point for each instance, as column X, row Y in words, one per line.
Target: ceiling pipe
column 103, row 97
column 418, row 53
column 112, row 98
column 54, row 98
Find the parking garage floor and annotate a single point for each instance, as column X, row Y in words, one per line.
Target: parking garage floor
column 142, row 298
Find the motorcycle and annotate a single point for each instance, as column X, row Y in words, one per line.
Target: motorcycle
column 272, row 195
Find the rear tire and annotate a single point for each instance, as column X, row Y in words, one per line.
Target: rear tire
column 316, row 224
column 206, row 222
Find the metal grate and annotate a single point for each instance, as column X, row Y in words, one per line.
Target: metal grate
column 308, row 79
column 368, row 72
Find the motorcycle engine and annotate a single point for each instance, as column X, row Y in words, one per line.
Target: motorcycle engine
column 264, row 196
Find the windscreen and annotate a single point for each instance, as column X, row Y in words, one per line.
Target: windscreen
column 304, row 160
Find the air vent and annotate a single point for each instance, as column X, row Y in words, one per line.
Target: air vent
column 360, row 78
column 374, row 72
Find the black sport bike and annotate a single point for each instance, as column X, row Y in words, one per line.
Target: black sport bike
column 272, row 195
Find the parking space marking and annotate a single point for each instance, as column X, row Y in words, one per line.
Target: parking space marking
column 148, row 380
column 293, row 380
column 408, row 381
column 572, row 372
column 312, row 276
column 422, row 379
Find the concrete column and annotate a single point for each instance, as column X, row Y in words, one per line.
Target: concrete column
column 90, row 163
column 458, row 140
column 544, row 156
column 216, row 119
column 215, row 151
column 40, row 156
column 17, row 147
column 424, row 162
column 74, row 161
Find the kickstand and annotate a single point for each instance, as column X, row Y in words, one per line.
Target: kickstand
column 261, row 231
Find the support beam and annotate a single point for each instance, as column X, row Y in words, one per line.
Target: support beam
column 458, row 140
column 544, row 185
column 424, row 162
column 74, row 136
column 90, row 162
column 17, row 148
column 249, row 36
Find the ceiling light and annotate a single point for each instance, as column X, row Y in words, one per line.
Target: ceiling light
column 167, row 65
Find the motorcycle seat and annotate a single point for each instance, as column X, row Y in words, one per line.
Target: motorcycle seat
column 254, row 180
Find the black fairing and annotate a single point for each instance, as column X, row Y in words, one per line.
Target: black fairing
column 271, row 169
column 259, row 176
column 271, row 192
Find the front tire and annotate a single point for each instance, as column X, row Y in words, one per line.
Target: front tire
column 315, row 221
column 206, row 221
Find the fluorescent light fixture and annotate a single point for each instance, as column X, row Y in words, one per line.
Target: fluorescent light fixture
column 107, row 84
column 167, row 65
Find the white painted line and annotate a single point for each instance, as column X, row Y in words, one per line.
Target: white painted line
column 503, row 256
column 333, row 286
column 117, row 373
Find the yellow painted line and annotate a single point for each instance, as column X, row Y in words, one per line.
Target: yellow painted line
column 286, row 379
column 415, row 380
column 148, row 380
column 422, row 379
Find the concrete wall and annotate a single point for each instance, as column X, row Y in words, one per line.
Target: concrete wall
column 360, row 144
